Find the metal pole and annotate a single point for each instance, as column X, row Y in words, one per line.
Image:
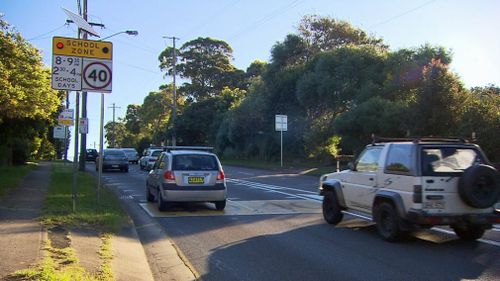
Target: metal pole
column 83, row 147
column 66, row 129
column 113, row 140
column 75, row 157
column 101, row 145
column 174, row 113
column 281, row 142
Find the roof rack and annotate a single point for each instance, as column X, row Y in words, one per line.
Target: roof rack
column 376, row 139
column 202, row 148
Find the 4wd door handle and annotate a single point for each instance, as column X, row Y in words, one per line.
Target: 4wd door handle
column 371, row 179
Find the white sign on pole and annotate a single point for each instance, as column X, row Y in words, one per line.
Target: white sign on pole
column 83, row 126
column 60, row 132
column 66, row 73
column 97, row 75
column 281, row 123
column 66, row 117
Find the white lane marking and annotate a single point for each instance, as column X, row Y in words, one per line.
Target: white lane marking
column 486, row 241
column 313, row 196
column 268, row 186
column 247, row 174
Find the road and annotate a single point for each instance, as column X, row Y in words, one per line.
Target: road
column 272, row 229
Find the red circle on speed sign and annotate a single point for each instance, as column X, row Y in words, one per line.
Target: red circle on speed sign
column 97, row 75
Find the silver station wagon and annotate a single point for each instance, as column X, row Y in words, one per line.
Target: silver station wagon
column 187, row 174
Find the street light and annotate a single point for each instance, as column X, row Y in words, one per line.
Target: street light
column 128, row 32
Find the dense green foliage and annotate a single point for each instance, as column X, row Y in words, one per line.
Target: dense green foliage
column 336, row 84
column 28, row 105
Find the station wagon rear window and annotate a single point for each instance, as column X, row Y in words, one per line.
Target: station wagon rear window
column 194, row 162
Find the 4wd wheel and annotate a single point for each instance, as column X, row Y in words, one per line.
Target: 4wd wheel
column 479, row 186
column 387, row 221
column 149, row 196
column 162, row 205
column 469, row 232
column 331, row 208
column 220, row 205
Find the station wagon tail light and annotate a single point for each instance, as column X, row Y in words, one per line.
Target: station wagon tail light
column 221, row 175
column 169, row 175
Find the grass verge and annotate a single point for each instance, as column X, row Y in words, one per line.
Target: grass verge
column 11, row 176
column 107, row 218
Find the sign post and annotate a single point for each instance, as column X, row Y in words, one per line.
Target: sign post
column 81, row 65
column 281, row 124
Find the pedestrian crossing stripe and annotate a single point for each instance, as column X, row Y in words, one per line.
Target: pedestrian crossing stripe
column 236, row 208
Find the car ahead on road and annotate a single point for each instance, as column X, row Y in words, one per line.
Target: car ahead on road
column 187, row 174
column 91, row 154
column 132, row 155
column 113, row 159
column 404, row 185
column 149, row 157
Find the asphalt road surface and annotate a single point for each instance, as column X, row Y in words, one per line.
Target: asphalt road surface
column 272, row 229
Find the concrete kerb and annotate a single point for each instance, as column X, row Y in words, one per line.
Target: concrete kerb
column 165, row 262
column 129, row 260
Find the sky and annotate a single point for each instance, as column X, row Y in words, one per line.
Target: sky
column 251, row 27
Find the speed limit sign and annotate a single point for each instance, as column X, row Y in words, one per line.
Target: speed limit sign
column 97, row 76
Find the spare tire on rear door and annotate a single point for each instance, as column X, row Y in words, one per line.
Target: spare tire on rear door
column 479, row 186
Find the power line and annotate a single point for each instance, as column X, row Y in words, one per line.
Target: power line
column 46, row 33
column 402, row 14
column 210, row 18
column 277, row 12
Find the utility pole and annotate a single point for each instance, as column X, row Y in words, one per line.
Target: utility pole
column 174, row 74
column 83, row 137
column 83, row 143
column 114, row 107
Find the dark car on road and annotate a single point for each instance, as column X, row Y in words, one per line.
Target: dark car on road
column 113, row 158
column 91, row 155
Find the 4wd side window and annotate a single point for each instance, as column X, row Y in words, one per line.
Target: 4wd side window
column 368, row 160
column 399, row 159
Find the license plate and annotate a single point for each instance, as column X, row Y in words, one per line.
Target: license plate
column 196, row 180
column 435, row 204
column 115, row 166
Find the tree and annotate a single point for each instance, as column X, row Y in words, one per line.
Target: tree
column 326, row 33
column 27, row 102
column 439, row 102
column 206, row 62
column 155, row 114
column 199, row 122
column 482, row 117
column 115, row 134
column 132, row 119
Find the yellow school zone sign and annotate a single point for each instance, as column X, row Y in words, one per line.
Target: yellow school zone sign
column 82, row 48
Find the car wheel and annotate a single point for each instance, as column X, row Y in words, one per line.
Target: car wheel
column 331, row 208
column 162, row 205
column 469, row 232
column 479, row 186
column 220, row 205
column 149, row 196
column 387, row 221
